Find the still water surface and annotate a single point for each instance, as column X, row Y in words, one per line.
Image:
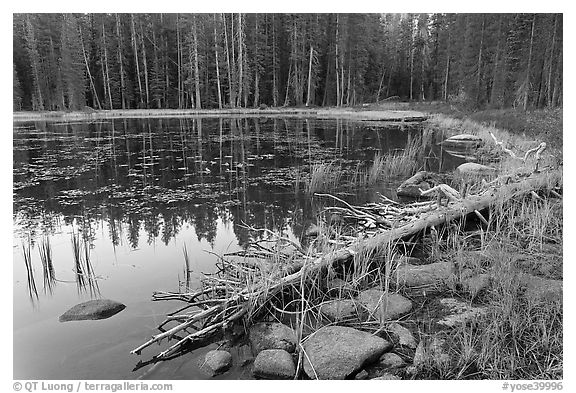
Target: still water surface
column 134, row 193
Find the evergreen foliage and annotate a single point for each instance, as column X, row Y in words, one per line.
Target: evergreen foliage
column 123, row 61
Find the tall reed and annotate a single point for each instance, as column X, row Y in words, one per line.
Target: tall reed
column 45, row 251
column 30, row 281
column 324, row 177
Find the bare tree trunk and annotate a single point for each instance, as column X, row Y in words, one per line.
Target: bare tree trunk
column 240, row 60
column 37, row 101
column 196, row 70
column 88, row 68
column 217, row 66
column 135, row 46
column 527, row 92
column 308, row 95
column 230, row 91
column 179, row 53
column 146, row 84
column 286, row 101
column 106, row 67
column 479, row 76
column 337, row 69
column 549, row 84
column 122, row 82
column 274, row 66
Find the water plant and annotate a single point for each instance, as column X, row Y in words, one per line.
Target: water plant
column 45, row 251
column 324, row 177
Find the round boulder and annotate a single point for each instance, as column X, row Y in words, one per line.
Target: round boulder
column 274, row 364
column 338, row 352
column 384, row 306
column 217, row 361
column 272, row 335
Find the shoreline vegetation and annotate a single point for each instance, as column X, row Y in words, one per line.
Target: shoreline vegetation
column 497, row 267
column 390, row 115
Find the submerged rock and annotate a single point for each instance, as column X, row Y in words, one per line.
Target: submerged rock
column 339, row 310
column 472, row 168
column 272, row 335
column 338, row 352
column 420, row 181
column 384, row 306
column 274, row 364
column 93, row 309
column 539, row 289
column 435, row 274
column 217, row 361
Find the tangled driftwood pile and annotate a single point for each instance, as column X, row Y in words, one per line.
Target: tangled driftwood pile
column 248, row 280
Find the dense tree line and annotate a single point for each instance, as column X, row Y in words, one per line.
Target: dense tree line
column 122, row 61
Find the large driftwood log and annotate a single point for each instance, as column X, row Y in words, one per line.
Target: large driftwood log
column 241, row 302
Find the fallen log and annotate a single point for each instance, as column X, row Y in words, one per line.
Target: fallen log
column 244, row 301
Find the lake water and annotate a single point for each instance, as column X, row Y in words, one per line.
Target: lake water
column 135, row 192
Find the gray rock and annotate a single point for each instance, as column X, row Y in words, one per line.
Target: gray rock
column 466, row 140
column 384, row 306
column 339, row 310
column 272, row 335
column 460, row 312
column 217, row 361
column 391, row 360
column 274, row 364
column 403, row 335
column 420, row 181
column 387, row 376
column 336, row 352
column 472, row 168
column 93, row 309
column 361, row 375
column 436, row 274
column 543, row 290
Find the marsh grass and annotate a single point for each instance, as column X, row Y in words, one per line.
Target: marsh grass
column 45, row 251
column 519, row 337
column 324, row 177
column 30, row 281
column 86, row 280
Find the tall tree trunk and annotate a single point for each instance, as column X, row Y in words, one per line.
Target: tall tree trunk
column 145, row 62
column 496, row 78
column 231, row 97
column 551, row 62
column 529, row 66
column 286, row 100
column 31, row 43
column 337, row 68
column 240, row 60
column 179, row 55
column 309, row 95
column 122, row 82
column 479, row 69
column 196, row 68
column 135, row 47
column 88, row 68
column 106, row 67
column 217, row 66
column 274, row 65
